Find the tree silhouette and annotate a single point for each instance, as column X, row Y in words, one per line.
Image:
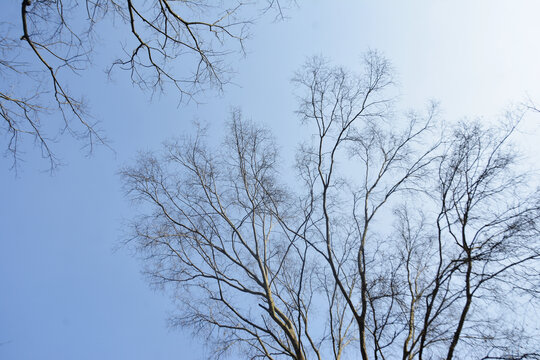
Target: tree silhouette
column 178, row 44
column 399, row 237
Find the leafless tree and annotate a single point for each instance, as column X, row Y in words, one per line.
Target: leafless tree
column 220, row 236
column 400, row 237
column 182, row 44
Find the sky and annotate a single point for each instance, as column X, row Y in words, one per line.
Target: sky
column 70, row 290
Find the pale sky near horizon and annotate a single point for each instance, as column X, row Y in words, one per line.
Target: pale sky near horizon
column 69, row 291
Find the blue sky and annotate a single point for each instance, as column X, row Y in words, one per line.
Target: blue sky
column 70, row 291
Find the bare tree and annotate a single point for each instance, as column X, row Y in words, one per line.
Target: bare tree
column 182, row 44
column 399, row 237
column 220, row 236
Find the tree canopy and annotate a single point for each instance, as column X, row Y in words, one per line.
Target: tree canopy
column 397, row 237
column 181, row 46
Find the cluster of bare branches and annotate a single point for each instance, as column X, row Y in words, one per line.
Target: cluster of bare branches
column 398, row 238
column 182, row 44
